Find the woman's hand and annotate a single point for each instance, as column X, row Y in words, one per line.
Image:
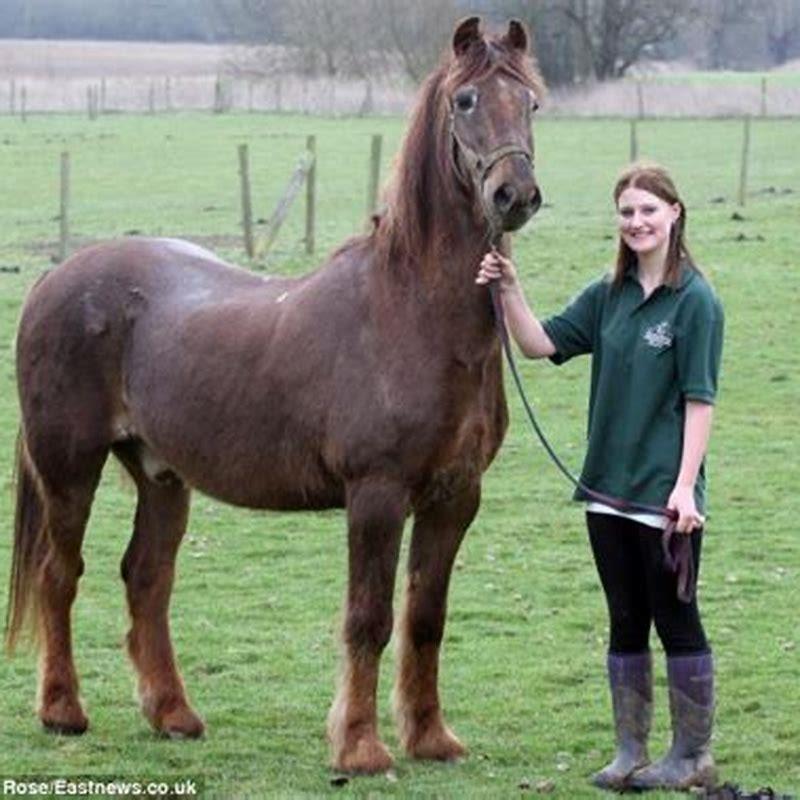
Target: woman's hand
column 496, row 267
column 682, row 500
column 525, row 329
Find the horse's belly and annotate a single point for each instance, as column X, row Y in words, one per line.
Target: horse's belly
column 255, row 473
column 274, row 496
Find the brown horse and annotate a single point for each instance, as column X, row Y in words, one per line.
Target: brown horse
column 374, row 383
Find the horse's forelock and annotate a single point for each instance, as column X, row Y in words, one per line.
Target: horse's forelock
column 489, row 56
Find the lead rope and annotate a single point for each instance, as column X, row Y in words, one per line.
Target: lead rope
column 677, row 549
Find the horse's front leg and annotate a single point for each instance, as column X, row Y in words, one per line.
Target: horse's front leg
column 438, row 531
column 376, row 510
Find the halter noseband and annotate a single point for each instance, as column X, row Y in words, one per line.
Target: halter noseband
column 478, row 168
column 477, row 165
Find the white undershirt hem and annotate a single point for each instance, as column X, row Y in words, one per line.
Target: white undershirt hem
column 651, row 520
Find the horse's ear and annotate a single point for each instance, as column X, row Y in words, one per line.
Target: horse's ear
column 467, row 32
column 517, row 35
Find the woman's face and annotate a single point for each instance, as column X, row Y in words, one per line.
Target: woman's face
column 645, row 220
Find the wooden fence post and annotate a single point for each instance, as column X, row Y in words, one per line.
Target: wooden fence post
column 151, row 98
column 218, row 109
column 285, row 203
column 279, row 95
column 168, row 93
column 367, row 104
column 745, row 160
column 23, row 103
column 103, row 96
column 374, row 174
column 63, row 216
column 763, row 97
column 247, row 204
column 12, row 97
column 311, row 193
column 640, row 98
column 634, row 141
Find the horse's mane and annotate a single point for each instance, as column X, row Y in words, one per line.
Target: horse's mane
column 423, row 178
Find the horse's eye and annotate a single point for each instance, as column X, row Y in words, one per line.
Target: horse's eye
column 466, row 100
column 534, row 103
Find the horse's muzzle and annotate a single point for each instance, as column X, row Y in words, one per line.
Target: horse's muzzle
column 510, row 194
column 513, row 211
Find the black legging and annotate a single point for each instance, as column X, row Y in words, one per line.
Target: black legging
column 639, row 590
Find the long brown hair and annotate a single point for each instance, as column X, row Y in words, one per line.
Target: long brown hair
column 655, row 179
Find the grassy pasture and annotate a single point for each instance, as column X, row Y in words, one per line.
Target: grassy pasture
column 256, row 608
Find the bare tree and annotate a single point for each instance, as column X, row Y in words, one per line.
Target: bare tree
column 617, row 33
column 723, row 21
column 365, row 42
column 417, row 30
column 782, row 29
column 557, row 44
column 362, row 38
column 337, row 37
column 316, row 28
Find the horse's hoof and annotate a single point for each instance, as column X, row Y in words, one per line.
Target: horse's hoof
column 64, row 717
column 367, row 757
column 181, row 723
column 438, row 743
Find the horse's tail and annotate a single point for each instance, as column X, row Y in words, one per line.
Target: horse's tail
column 29, row 539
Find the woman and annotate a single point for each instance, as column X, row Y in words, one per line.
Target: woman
column 654, row 329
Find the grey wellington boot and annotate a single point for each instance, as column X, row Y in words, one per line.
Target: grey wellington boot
column 631, row 682
column 689, row 761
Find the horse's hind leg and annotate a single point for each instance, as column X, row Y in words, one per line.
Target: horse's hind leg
column 67, row 512
column 438, row 531
column 148, row 569
column 376, row 512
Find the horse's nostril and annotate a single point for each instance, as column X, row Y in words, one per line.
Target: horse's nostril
column 536, row 199
column 504, row 197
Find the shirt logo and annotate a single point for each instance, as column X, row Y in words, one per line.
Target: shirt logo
column 659, row 336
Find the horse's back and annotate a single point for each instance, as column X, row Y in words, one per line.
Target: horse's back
column 125, row 271
column 79, row 326
column 217, row 370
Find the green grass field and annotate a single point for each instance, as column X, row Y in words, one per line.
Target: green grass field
column 257, row 604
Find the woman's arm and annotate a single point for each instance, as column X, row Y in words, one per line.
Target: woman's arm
column 696, row 433
column 525, row 328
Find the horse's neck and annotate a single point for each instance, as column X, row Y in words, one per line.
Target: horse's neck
column 449, row 274
column 438, row 296
column 434, row 270
column 462, row 308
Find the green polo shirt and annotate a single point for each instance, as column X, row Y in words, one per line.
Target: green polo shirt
column 649, row 356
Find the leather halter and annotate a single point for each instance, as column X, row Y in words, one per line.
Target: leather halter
column 479, row 166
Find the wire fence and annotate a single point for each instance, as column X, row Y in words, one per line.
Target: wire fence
column 641, row 98
column 224, row 181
